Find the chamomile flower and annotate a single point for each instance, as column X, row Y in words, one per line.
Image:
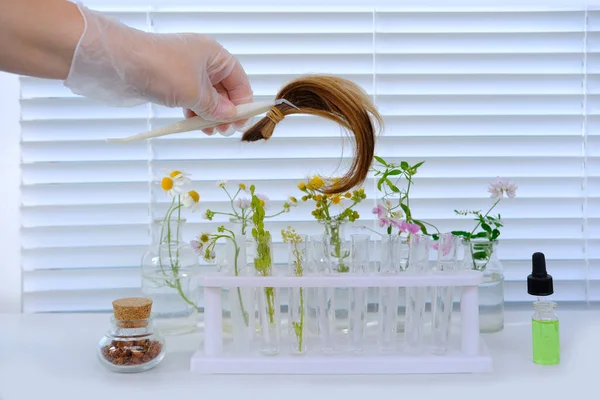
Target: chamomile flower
column 197, row 246
column 191, row 200
column 243, row 203
column 173, row 182
column 221, row 184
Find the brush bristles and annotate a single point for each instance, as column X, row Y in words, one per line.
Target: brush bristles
column 336, row 99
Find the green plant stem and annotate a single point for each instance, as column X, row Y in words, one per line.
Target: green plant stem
column 174, row 264
column 486, row 214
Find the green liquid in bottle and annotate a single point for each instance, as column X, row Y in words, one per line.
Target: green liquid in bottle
column 546, row 342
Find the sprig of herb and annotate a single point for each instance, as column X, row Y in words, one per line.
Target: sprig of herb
column 262, row 262
column 390, row 174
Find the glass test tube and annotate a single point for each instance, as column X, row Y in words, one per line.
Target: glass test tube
column 415, row 296
column 358, row 302
column 442, row 297
column 319, row 252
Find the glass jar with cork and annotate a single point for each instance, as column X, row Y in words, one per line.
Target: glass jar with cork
column 131, row 345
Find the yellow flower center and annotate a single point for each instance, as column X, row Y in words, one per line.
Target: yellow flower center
column 166, row 183
column 302, row 186
column 204, row 237
column 242, row 186
column 175, row 173
column 336, row 199
column 194, row 195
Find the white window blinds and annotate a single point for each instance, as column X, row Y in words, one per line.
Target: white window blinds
column 475, row 93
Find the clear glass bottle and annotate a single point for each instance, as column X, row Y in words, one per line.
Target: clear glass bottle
column 545, row 332
column 131, row 344
column 481, row 255
column 169, row 271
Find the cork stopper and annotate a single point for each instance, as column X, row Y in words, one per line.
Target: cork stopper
column 131, row 312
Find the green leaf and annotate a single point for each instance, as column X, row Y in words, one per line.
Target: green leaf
column 417, row 165
column 381, row 160
column 421, row 226
column 392, row 186
column 461, row 233
column 495, row 234
column 380, row 183
column 404, row 165
column 480, row 255
column 406, row 210
column 394, row 172
column 486, row 227
column 479, row 235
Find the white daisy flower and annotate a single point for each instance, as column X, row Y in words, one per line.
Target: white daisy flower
column 191, row 200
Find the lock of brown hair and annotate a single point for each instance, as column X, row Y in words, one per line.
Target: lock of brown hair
column 339, row 100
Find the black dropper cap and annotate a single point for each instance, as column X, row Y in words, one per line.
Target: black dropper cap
column 539, row 283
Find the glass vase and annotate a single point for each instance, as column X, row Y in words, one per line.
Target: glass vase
column 481, row 255
column 268, row 297
column 241, row 300
column 169, row 278
column 297, row 262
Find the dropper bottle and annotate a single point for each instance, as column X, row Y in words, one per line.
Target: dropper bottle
column 544, row 323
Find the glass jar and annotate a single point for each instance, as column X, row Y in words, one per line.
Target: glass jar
column 481, row 255
column 169, row 271
column 131, row 344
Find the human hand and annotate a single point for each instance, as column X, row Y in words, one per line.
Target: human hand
column 124, row 66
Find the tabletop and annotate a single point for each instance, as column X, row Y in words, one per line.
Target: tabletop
column 52, row 356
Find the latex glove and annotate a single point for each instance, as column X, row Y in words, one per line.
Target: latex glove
column 124, row 66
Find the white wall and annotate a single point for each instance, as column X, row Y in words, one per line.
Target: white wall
column 10, row 178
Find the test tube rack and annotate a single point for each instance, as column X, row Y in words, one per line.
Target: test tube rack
column 471, row 356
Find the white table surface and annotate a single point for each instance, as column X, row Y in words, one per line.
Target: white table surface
column 52, row 356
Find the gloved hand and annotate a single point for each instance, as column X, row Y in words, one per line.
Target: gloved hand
column 124, row 66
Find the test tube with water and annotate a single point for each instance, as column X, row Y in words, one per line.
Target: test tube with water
column 358, row 296
column 442, row 297
column 418, row 261
column 319, row 254
column 393, row 261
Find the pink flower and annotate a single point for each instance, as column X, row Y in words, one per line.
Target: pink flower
column 447, row 242
column 410, row 228
column 500, row 187
column 380, row 211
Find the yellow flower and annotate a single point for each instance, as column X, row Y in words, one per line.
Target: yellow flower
column 348, row 195
column 243, row 187
column 204, row 238
column 302, row 186
column 336, row 199
column 191, row 200
column 316, row 182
